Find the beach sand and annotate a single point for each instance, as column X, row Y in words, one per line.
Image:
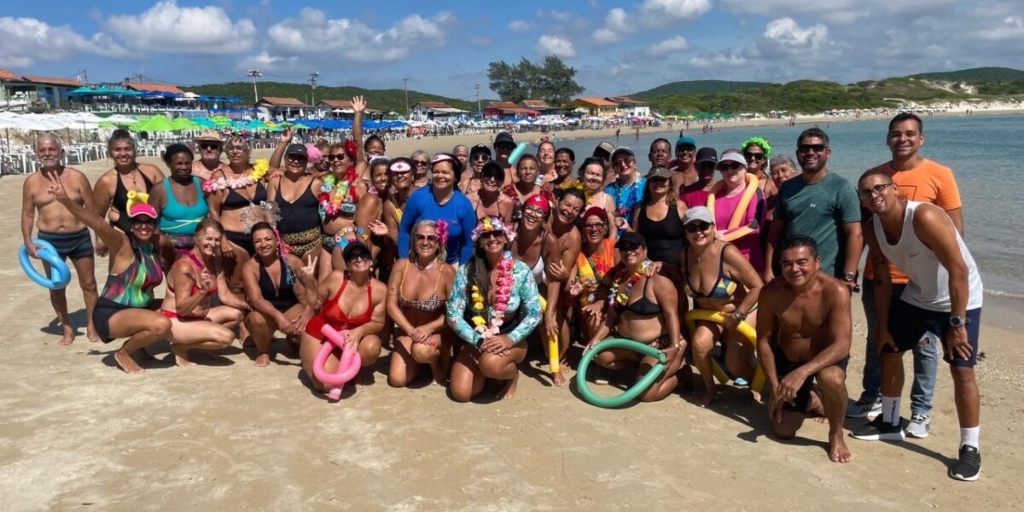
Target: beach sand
column 79, row 434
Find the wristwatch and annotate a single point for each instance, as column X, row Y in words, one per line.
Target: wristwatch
column 849, row 277
column 957, row 321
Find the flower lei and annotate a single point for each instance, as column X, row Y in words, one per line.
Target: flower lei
column 501, row 298
column 621, row 298
column 259, row 170
column 334, row 192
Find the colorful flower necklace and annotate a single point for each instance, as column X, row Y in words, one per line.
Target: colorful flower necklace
column 333, row 193
column 259, row 170
column 501, row 298
column 621, row 298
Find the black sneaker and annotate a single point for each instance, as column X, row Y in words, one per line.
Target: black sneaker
column 878, row 430
column 968, row 468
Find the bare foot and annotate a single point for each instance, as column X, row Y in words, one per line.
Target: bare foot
column 262, row 360
column 509, row 390
column 837, row 450
column 90, row 333
column 559, row 378
column 710, row 396
column 125, row 362
column 68, row 337
column 143, row 355
column 181, row 356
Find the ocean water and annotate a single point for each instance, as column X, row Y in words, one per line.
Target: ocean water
column 979, row 149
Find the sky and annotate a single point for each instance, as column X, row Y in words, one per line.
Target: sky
column 617, row 47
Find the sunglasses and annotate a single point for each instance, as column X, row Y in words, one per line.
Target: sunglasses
column 866, row 193
column 359, row 256
column 491, row 234
column 236, row 149
column 533, row 211
column 753, row 156
column 729, row 166
column 697, row 227
column 622, row 162
column 425, row 238
column 657, row 180
column 210, row 145
column 505, row 147
column 481, row 157
column 151, row 223
column 807, row 148
column 706, row 165
column 421, row 163
column 628, row 247
column 337, row 158
column 594, row 225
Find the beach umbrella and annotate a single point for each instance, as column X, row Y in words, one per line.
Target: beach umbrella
column 153, row 124
column 184, row 123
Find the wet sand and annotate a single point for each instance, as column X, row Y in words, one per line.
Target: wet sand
column 79, row 434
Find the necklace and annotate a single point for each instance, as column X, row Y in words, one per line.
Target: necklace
column 339, row 196
column 429, row 266
column 501, row 298
column 620, row 298
column 259, row 169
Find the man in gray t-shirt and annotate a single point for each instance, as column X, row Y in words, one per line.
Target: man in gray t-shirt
column 820, row 205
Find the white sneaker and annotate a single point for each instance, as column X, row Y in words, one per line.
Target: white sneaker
column 918, row 426
column 864, row 408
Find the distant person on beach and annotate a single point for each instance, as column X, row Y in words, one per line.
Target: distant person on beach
column 821, row 205
column 922, row 180
column 210, row 146
column 804, row 331
column 617, row 131
column 61, row 228
column 942, row 301
column 110, row 193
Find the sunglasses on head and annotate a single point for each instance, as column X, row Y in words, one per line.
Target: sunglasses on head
column 807, row 148
column 697, row 227
column 753, row 156
column 209, row 145
column 879, row 189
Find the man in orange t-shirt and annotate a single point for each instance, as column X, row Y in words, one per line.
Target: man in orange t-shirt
column 917, row 179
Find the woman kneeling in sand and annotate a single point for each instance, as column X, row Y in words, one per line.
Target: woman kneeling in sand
column 643, row 308
column 282, row 292
column 493, row 307
column 417, row 292
column 353, row 303
column 191, row 284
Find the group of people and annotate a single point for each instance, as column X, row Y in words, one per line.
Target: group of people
column 457, row 262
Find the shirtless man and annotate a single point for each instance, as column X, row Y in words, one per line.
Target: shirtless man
column 804, row 331
column 62, row 229
column 567, row 241
column 209, row 146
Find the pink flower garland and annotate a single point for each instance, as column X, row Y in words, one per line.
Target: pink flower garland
column 501, row 297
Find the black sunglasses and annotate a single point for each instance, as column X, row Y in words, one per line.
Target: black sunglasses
column 482, row 157
column 807, row 148
column 337, row 157
column 421, row 163
column 210, row 145
column 753, row 156
column 697, row 227
column 628, row 247
column 151, row 223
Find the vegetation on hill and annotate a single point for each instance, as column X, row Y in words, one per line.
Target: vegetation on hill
column 976, row 75
column 388, row 100
column 698, row 87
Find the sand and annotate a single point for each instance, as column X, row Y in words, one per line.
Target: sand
column 79, row 434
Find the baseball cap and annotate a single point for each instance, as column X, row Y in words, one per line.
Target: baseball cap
column 705, row 155
column 698, row 214
column 142, row 209
column 630, row 238
column 604, row 149
column 660, row 172
column 623, row 149
column 504, row 138
column 352, row 247
column 480, row 148
column 297, row 150
column 685, row 140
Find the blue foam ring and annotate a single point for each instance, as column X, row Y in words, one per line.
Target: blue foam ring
column 516, row 153
column 60, row 274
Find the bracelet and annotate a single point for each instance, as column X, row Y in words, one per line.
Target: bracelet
column 739, row 314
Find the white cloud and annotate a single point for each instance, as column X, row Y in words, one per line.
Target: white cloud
column 268, row 62
column 26, row 41
column 718, row 59
column 520, row 26
column 661, row 12
column 165, row 27
column 616, row 26
column 555, row 45
column 787, row 33
column 836, row 11
column 312, row 32
column 669, row 45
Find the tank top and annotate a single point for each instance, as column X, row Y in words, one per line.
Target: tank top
column 181, row 219
column 281, row 297
column 929, row 280
column 664, row 237
column 134, row 287
column 301, row 215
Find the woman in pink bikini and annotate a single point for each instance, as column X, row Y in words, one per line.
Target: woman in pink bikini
column 191, row 284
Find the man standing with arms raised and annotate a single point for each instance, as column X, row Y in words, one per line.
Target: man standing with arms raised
column 804, row 332
column 922, row 180
column 60, row 228
column 821, row 205
column 942, row 300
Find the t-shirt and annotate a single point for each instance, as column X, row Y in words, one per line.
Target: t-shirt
column 694, row 194
column 820, row 210
column 929, row 182
column 457, row 212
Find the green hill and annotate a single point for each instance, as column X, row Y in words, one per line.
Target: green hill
column 976, row 75
column 698, row 87
column 382, row 99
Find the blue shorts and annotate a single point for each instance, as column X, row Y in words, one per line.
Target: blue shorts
column 908, row 324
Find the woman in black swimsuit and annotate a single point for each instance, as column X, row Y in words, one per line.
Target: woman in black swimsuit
column 489, row 199
column 110, row 194
column 300, row 216
column 236, row 205
column 281, row 290
column 644, row 308
column 659, row 218
column 417, row 293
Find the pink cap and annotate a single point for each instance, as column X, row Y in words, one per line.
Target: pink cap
column 142, row 209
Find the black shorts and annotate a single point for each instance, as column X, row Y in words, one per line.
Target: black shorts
column 908, row 324
column 783, row 367
column 101, row 314
column 243, row 240
column 76, row 245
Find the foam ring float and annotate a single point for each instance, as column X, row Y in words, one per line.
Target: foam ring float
column 348, row 363
column 610, row 402
column 743, row 328
column 516, row 153
column 60, row 274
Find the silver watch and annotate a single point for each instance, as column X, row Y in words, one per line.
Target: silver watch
column 957, row 321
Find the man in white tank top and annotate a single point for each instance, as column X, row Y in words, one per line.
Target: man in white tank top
column 942, row 300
